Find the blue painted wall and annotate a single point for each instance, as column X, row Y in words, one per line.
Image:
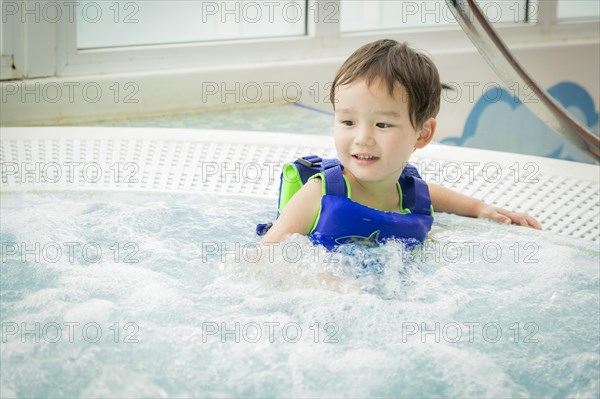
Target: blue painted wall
column 500, row 121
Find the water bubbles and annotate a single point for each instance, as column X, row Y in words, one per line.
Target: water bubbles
column 192, row 306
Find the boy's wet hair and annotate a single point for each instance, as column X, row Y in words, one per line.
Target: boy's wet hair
column 395, row 63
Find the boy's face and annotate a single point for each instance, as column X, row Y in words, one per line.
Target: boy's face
column 373, row 133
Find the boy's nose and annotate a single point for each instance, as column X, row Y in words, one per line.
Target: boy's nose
column 364, row 136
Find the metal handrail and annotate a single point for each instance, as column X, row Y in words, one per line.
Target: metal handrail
column 499, row 57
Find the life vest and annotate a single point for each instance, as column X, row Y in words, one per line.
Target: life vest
column 343, row 221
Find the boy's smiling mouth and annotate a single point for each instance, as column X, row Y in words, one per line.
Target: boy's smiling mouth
column 363, row 158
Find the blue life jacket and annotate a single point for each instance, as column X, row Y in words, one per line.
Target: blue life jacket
column 343, row 221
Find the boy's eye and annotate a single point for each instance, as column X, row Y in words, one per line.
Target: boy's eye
column 382, row 125
column 347, row 123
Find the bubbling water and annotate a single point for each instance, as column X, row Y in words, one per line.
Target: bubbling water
column 155, row 295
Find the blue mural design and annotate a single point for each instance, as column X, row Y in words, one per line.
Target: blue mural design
column 499, row 121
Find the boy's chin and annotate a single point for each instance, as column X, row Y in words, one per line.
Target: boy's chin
column 366, row 175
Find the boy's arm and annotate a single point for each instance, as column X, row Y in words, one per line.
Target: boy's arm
column 445, row 200
column 298, row 215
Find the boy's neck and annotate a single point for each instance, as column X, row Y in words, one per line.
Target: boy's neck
column 382, row 196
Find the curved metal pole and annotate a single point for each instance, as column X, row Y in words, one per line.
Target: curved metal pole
column 499, row 57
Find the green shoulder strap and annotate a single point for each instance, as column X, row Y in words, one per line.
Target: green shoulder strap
column 290, row 184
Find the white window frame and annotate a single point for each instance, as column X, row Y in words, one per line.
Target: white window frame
column 46, row 49
column 6, row 51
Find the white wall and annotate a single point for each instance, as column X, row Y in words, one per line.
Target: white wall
column 36, row 101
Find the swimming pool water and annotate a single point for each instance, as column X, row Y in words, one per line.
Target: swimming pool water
column 153, row 295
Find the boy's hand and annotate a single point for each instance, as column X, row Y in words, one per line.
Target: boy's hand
column 503, row 216
column 445, row 200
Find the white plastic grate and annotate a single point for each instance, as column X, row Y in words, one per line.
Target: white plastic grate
column 563, row 196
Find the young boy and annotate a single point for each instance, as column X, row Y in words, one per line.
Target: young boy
column 385, row 97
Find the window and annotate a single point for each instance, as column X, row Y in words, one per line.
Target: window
column 364, row 15
column 43, row 38
column 578, row 9
column 112, row 23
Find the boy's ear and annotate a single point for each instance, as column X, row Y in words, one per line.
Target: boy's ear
column 426, row 133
